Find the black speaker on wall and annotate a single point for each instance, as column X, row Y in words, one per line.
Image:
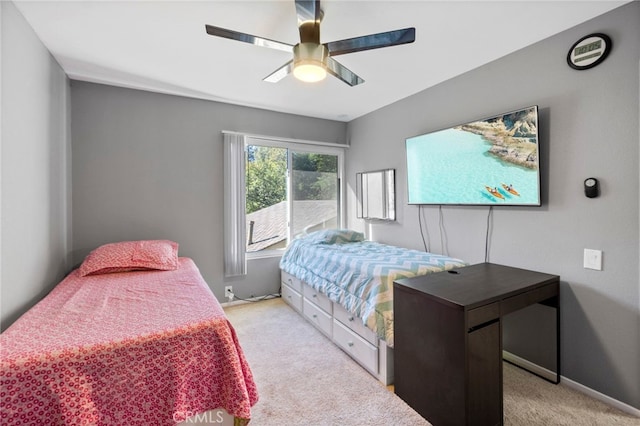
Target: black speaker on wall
column 591, row 187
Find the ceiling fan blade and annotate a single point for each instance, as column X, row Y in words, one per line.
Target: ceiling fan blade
column 309, row 17
column 248, row 38
column 340, row 71
column 280, row 73
column 372, row 41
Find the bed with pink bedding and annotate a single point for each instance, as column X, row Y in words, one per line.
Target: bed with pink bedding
column 141, row 347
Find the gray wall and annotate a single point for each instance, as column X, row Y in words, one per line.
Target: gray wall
column 35, row 209
column 589, row 127
column 147, row 165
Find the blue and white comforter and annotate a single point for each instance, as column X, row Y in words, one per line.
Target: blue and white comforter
column 359, row 274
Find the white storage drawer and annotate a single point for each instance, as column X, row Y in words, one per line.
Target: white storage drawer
column 291, row 281
column 317, row 298
column 355, row 324
column 292, row 297
column 317, row 317
column 359, row 349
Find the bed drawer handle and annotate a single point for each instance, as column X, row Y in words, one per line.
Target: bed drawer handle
column 351, row 318
column 314, row 295
column 350, row 343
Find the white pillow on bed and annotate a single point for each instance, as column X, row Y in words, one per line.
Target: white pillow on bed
column 335, row 236
column 131, row 256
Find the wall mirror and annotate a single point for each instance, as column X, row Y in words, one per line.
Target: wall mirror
column 376, row 195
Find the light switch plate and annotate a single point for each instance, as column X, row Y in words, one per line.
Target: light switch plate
column 593, row 259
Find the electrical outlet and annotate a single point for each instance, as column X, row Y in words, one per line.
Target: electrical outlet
column 228, row 292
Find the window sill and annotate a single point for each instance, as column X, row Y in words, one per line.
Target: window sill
column 264, row 254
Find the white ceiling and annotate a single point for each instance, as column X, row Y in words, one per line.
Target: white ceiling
column 162, row 46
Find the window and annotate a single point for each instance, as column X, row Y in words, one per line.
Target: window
column 291, row 188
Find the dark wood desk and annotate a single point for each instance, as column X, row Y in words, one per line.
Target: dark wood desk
column 448, row 340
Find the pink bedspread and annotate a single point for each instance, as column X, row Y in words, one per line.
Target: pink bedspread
column 122, row 349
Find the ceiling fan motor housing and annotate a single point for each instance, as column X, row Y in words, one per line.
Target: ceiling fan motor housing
column 309, row 60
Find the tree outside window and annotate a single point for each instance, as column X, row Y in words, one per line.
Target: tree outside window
column 314, row 196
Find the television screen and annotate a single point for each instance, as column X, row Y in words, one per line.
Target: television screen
column 486, row 162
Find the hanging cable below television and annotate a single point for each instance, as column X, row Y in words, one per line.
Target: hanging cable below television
column 426, row 229
column 444, row 244
column 486, row 239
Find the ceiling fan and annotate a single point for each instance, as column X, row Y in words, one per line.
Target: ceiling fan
column 312, row 60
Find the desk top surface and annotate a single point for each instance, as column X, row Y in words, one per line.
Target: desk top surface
column 477, row 285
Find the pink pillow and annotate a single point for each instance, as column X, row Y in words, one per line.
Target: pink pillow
column 131, row 256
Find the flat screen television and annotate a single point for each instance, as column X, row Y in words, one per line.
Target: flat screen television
column 493, row 161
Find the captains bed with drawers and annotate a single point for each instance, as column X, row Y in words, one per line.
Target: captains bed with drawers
column 343, row 285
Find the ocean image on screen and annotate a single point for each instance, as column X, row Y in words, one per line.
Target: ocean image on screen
column 493, row 161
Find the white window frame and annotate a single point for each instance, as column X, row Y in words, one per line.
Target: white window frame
column 300, row 146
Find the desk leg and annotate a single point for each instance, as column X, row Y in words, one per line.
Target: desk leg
column 554, row 302
column 485, row 375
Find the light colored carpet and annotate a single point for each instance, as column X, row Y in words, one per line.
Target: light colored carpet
column 304, row 379
column 529, row 400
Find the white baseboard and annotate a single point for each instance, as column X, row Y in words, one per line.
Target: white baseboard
column 530, row 366
column 600, row 396
column 548, row 374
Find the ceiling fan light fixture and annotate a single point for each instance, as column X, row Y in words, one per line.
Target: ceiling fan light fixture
column 309, row 73
column 309, row 62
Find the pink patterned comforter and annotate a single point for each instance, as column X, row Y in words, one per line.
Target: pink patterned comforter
column 123, row 349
